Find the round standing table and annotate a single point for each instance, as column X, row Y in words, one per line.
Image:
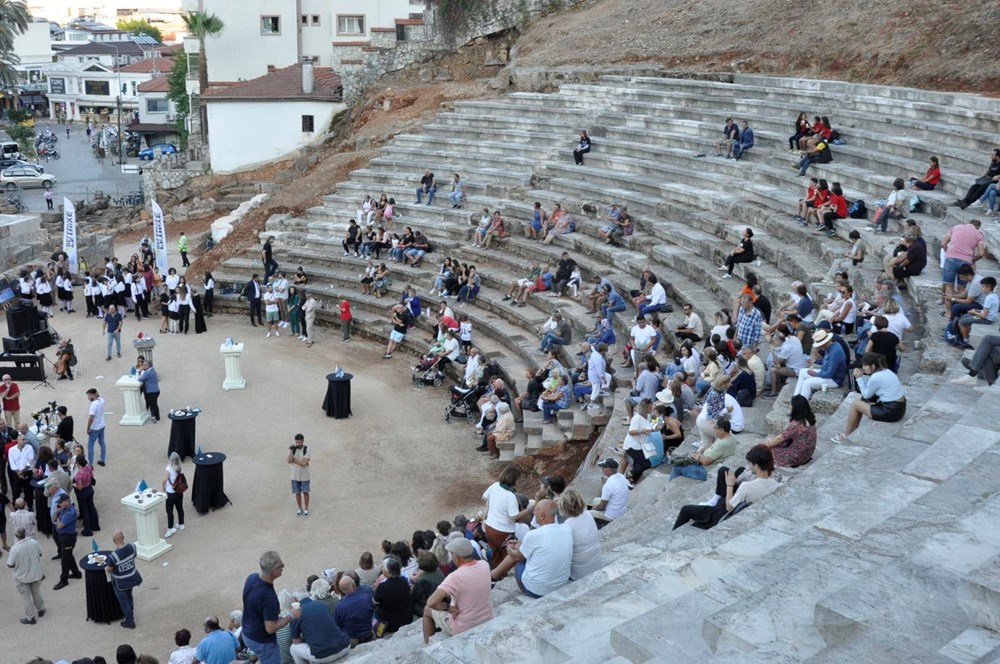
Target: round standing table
column 102, row 605
column 182, row 432
column 208, row 490
column 337, row 403
column 43, row 520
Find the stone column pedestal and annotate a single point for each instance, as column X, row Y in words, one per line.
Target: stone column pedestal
column 135, row 411
column 145, row 348
column 147, row 506
column 234, row 369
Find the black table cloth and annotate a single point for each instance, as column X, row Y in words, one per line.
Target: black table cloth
column 43, row 520
column 208, row 490
column 182, row 434
column 337, row 403
column 102, row 605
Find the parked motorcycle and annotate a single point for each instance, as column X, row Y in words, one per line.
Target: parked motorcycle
column 49, row 152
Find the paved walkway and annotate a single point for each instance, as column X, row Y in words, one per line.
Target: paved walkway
column 375, row 476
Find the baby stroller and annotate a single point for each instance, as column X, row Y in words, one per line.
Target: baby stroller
column 430, row 371
column 464, row 399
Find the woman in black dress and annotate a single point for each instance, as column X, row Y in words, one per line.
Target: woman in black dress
column 209, row 295
column 741, row 254
column 199, row 312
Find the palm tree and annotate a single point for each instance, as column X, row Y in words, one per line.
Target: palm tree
column 201, row 25
column 14, row 20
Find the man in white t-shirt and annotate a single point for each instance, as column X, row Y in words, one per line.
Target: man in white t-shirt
column 280, row 284
column 692, row 328
column 736, row 419
column 543, row 560
column 614, row 495
column 642, row 337
column 95, row 426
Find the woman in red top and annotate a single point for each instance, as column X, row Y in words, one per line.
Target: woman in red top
column 836, row 208
column 821, row 198
column 813, row 138
column 931, row 177
column 807, row 202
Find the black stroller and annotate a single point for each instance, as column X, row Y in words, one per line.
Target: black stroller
column 430, row 371
column 463, row 399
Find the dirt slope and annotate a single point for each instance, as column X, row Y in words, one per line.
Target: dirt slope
column 945, row 45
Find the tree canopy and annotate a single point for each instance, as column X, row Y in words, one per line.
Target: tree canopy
column 140, row 26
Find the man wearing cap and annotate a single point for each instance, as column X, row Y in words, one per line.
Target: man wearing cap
column 542, row 561
column 218, row 645
column 832, row 372
column 614, row 494
column 65, row 526
column 642, row 338
column 467, row 590
column 25, row 559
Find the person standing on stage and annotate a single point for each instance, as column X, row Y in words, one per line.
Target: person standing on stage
column 125, row 576
column 298, row 459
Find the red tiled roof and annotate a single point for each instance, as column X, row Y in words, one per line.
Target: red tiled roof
column 162, row 65
column 285, row 83
column 158, row 84
column 409, row 21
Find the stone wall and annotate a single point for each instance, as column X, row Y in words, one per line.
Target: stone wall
column 360, row 66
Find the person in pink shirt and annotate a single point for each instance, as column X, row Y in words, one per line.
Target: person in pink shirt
column 963, row 244
column 462, row 601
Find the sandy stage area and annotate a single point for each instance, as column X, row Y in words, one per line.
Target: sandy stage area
column 393, row 467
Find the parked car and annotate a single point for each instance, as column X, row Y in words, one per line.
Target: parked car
column 25, row 178
column 7, row 163
column 147, row 154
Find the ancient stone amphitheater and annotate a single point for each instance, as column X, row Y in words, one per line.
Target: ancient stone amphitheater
column 881, row 550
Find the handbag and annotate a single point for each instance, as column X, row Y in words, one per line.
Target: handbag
column 986, row 179
column 683, row 460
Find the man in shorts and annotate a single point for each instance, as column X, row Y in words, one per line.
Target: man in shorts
column 298, row 459
column 467, row 588
column 400, row 322
column 271, row 311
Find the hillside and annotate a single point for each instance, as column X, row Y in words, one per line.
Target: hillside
column 945, row 45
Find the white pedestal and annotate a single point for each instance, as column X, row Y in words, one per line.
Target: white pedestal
column 234, row 370
column 135, row 412
column 147, row 507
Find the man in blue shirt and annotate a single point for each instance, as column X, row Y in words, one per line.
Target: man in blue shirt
column 218, row 646
column 832, row 372
column 113, row 328
column 745, row 142
column 65, row 525
column 260, row 610
column 613, row 302
column 749, row 323
column 315, row 635
column 353, row 614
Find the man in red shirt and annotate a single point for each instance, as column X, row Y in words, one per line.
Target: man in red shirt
column 10, row 393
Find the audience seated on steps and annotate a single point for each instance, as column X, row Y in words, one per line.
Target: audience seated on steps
column 744, row 143
column 718, row 447
column 462, row 600
column 730, row 135
column 795, row 446
column 785, row 360
column 931, row 178
column 428, row 186
column 543, row 560
column 882, row 397
column 831, row 373
column 742, row 253
column 983, row 182
column 986, row 314
column 963, row 244
column 582, row 148
column 619, row 225
column 535, row 229
column 734, row 490
column 983, row 365
column 573, row 512
column 613, row 501
column 457, row 195
column 894, row 207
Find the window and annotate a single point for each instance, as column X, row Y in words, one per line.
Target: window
column 157, row 105
column 270, row 25
column 97, row 88
column 315, row 19
column 350, row 25
column 304, row 20
column 307, row 124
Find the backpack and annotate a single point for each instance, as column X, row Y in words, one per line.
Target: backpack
column 916, row 204
column 180, row 484
column 858, row 210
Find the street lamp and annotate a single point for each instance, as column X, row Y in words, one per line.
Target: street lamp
column 121, row 152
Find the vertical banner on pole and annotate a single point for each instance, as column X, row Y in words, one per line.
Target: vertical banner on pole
column 69, row 234
column 160, row 238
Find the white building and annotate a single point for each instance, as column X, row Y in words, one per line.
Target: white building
column 90, row 90
column 157, row 114
column 279, row 33
column 257, row 121
column 33, row 48
column 107, row 11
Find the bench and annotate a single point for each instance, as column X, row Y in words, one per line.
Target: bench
column 131, row 169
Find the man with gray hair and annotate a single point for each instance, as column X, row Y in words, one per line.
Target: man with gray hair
column 542, row 560
column 749, row 323
column 261, row 621
column 25, row 559
column 23, row 518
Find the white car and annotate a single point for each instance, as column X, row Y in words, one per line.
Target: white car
column 25, row 177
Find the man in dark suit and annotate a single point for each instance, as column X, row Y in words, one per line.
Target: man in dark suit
column 254, row 295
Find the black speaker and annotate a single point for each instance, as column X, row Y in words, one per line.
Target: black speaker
column 42, row 339
column 12, row 345
column 21, row 320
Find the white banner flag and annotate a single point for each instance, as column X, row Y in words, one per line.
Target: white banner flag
column 69, row 234
column 160, row 239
